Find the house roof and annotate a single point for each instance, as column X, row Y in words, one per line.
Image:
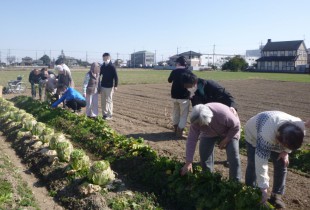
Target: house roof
column 191, row 53
column 281, row 46
column 141, row 52
column 278, row 58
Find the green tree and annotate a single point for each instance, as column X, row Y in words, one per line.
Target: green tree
column 236, row 63
column 46, row 59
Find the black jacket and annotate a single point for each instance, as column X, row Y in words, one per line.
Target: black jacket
column 210, row 91
column 178, row 91
column 34, row 78
column 109, row 75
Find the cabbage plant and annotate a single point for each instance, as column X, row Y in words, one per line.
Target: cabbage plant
column 56, row 138
column 64, row 150
column 46, row 135
column 79, row 161
column 100, row 173
column 38, row 129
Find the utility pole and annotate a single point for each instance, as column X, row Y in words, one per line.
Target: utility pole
column 86, row 57
column 177, row 50
column 116, row 56
column 162, row 58
column 213, row 53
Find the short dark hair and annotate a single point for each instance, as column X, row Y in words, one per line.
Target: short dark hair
column 105, row 54
column 189, row 78
column 59, row 61
column 181, row 60
column 291, row 135
column 62, row 87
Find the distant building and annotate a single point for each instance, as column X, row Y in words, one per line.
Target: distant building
column 252, row 55
column 209, row 60
column 142, row 59
column 26, row 61
column 192, row 58
column 285, row 56
column 37, row 63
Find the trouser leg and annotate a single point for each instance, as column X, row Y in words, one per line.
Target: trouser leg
column 232, row 152
column 184, row 109
column 176, row 112
column 279, row 175
column 250, row 174
column 206, row 152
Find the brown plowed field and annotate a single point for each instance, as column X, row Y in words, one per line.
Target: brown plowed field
column 145, row 111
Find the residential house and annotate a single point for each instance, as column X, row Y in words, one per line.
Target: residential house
column 216, row 60
column 285, row 56
column 142, row 59
column 193, row 58
column 26, row 61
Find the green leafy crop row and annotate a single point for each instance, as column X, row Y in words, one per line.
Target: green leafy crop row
column 138, row 162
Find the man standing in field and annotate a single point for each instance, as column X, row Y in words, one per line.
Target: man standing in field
column 180, row 96
column 34, row 79
column 108, row 85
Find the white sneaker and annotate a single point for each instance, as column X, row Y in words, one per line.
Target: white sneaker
column 108, row 118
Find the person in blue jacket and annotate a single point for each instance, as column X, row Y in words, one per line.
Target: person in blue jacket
column 73, row 99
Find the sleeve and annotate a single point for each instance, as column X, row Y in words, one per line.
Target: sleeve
column 233, row 124
column 191, row 142
column 86, row 80
column 56, row 103
column 70, row 79
column 262, row 154
column 30, row 77
column 221, row 95
column 115, row 77
column 170, row 78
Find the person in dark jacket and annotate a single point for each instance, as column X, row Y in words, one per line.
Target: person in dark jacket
column 34, row 79
column 207, row 91
column 71, row 97
column 180, row 96
column 108, row 85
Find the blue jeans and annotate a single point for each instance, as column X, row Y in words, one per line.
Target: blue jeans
column 206, row 152
column 279, row 175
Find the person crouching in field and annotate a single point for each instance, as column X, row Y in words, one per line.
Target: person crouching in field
column 180, row 96
column 213, row 122
column 50, row 88
column 271, row 134
column 71, row 97
column 90, row 90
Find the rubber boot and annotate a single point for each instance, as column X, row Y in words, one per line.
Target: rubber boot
column 276, row 201
column 179, row 132
column 175, row 128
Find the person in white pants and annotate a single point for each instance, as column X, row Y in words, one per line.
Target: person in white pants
column 180, row 96
column 108, row 85
column 90, row 90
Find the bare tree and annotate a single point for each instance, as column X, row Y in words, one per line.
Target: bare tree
column 11, row 59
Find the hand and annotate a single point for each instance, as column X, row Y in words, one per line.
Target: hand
column 115, row 88
column 284, row 157
column 223, row 143
column 186, row 168
column 264, row 196
column 232, row 109
column 84, row 95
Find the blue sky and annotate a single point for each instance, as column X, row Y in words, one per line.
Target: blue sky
column 33, row 27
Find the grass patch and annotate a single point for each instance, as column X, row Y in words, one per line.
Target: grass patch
column 18, row 190
column 161, row 76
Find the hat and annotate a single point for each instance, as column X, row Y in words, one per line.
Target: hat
column 105, row 54
column 59, row 68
